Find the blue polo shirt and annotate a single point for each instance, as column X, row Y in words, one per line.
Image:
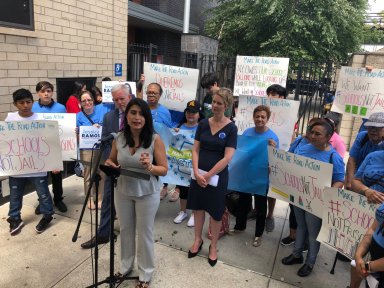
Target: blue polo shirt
column 52, row 108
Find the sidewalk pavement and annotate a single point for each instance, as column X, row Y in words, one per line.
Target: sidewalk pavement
column 51, row 259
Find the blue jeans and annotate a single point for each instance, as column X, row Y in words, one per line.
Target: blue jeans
column 17, row 186
column 105, row 214
column 307, row 224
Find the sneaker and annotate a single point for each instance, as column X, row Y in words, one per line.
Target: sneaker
column 191, row 221
column 234, row 231
column 174, row 195
column 287, row 241
column 14, row 225
column 163, row 192
column 43, row 224
column 180, row 217
column 37, row 210
column 60, row 205
column 257, row 242
column 269, row 224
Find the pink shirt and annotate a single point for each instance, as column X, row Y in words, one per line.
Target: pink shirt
column 337, row 142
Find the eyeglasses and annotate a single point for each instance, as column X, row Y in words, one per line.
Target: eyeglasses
column 152, row 93
column 86, row 100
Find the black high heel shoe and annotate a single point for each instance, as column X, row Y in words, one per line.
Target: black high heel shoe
column 193, row 254
column 210, row 261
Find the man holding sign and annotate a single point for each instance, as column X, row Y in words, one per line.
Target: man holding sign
column 23, row 100
column 46, row 104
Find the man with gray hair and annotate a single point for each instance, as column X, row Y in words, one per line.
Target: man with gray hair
column 113, row 122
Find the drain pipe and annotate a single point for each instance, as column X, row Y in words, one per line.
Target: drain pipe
column 187, row 11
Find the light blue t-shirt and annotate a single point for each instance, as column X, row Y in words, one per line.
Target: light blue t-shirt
column 297, row 143
column 52, row 108
column 371, row 171
column 162, row 115
column 96, row 117
column 359, row 152
column 185, row 127
column 331, row 156
column 269, row 134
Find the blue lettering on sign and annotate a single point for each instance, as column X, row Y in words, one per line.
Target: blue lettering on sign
column 118, row 69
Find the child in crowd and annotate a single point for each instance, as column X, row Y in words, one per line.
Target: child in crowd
column 192, row 115
column 23, row 100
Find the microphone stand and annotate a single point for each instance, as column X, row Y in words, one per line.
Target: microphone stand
column 95, row 178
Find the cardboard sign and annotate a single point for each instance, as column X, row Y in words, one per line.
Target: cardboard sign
column 282, row 121
column 106, row 87
column 346, row 218
column 255, row 74
column 359, row 92
column 298, row 180
column 179, row 84
column 67, row 132
column 88, row 136
column 29, row 147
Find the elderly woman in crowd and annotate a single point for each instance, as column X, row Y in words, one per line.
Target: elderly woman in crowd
column 308, row 224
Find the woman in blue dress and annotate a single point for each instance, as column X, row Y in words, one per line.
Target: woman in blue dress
column 214, row 146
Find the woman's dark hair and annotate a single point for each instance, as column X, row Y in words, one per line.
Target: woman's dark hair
column 147, row 131
column 95, row 90
column 334, row 118
column 184, row 119
column 77, row 87
column 329, row 128
column 209, row 79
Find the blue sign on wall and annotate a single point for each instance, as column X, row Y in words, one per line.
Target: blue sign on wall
column 118, row 69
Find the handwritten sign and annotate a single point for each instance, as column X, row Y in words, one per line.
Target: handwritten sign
column 282, row 121
column 67, row 133
column 106, row 88
column 346, row 218
column 88, row 136
column 178, row 146
column 359, row 92
column 255, row 74
column 179, row 84
column 298, row 180
column 29, row 147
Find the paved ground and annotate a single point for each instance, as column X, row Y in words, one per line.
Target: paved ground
column 51, row 259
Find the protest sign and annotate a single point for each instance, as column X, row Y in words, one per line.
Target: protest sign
column 67, row 133
column 88, row 136
column 179, row 84
column 282, row 120
column 254, row 74
column 346, row 218
column 248, row 169
column 359, row 92
column 106, row 87
column 29, row 147
column 178, row 146
column 298, row 180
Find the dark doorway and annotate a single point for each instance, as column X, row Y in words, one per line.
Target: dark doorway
column 65, row 87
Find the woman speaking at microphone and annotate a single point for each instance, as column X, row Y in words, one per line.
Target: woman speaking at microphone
column 138, row 148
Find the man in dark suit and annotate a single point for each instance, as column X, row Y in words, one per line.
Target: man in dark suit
column 112, row 123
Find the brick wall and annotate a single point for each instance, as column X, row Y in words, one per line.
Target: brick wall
column 72, row 38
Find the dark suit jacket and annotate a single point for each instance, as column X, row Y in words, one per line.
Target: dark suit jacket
column 110, row 125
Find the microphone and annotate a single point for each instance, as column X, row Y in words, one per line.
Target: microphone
column 108, row 138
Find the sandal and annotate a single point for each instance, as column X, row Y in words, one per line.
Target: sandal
column 142, row 284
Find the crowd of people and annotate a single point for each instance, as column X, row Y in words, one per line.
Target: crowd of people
column 137, row 147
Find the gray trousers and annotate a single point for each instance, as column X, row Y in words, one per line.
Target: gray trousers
column 137, row 213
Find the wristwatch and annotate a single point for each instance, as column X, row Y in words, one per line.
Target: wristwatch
column 367, row 267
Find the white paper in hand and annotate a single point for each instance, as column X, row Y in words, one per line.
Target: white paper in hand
column 212, row 181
